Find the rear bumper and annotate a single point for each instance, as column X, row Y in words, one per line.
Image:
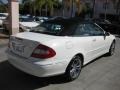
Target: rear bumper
column 36, row 69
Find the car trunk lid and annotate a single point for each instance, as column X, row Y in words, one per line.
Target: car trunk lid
column 23, row 44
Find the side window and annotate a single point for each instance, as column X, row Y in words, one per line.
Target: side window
column 88, row 30
column 95, row 30
column 82, row 30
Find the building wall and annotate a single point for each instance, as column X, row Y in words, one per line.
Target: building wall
column 98, row 9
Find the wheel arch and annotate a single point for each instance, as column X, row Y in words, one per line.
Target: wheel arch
column 82, row 56
column 79, row 54
column 114, row 41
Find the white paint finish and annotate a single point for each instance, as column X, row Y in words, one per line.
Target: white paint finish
column 90, row 47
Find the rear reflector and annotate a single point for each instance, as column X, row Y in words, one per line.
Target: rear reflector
column 43, row 52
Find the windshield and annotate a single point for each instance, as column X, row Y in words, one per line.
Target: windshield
column 48, row 28
column 26, row 19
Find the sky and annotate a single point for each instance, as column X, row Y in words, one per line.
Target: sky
column 5, row 1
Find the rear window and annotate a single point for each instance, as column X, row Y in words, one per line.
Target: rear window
column 58, row 29
column 48, row 28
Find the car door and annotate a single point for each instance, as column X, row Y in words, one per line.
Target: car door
column 92, row 40
column 83, row 41
column 99, row 40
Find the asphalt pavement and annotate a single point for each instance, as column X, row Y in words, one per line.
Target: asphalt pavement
column 101, row 74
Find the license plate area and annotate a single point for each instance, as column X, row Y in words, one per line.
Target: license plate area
column 17, row 47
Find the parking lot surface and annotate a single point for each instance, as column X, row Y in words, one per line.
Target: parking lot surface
column 102, row 74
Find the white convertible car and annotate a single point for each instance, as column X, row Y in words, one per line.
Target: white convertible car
column 60, row 46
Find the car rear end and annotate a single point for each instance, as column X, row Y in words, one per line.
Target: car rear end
column 33, row 55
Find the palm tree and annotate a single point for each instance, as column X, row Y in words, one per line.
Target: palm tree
column 50, row 4
column 70, row 5
column 31, row 4
column 79, row 5
column 93, row 9
column 5, row 5
column 106, row 5
column 116, row 4
column 39, row 4
column 118, row 7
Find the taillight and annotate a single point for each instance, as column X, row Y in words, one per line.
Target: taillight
column 43, row 52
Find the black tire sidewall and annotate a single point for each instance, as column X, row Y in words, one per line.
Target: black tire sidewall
column 110, row 53
column 68, row 76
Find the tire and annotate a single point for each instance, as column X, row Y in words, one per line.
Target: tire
column 112, row 49
column 74, row 68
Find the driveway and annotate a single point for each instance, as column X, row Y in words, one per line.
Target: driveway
column 101, row 74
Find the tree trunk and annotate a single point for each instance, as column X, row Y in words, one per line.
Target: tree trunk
column 34, row 11
column 30, row 11
column 106, row 9
column 51, row 11
column 72, row 6
column 93, row 9
column 46, row 9
column 79, row 7
column 63, row 8
column 118, row 7
column 40, row 11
